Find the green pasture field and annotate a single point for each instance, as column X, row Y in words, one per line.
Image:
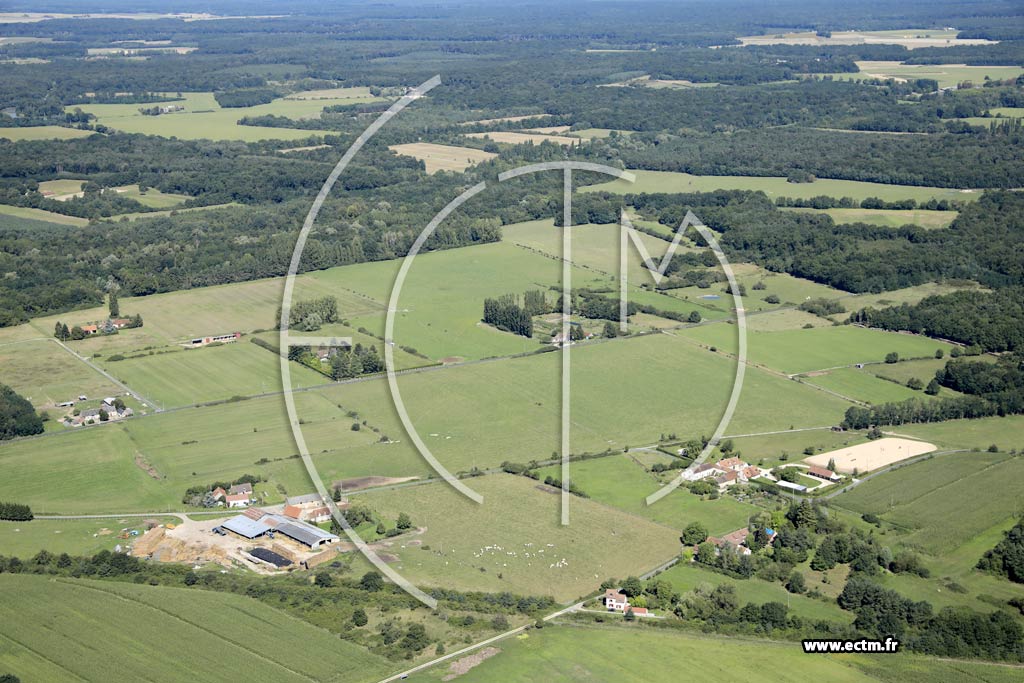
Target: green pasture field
column 790, row 290
column 166, row 212
column 72, row 536
column 203, row 118
column 634, row 653
column 667, row 181
column 90, row 470
column 624, row 393
column 514, row 540
column 62, row 186
column 45, row 374
column 785, row 319
column 441, row 304
column 43, row 133
column 618, row 481
column 889, row 218
column 41, row 215
column 176, row 376
column 180, row 316
column 862, row 385
column 908, row 295
column 95, row 630
column 686, row 576
column 1005, row 432
column 947, row 500
column 151, row 197
column 591, row 133
column 923, row 370
column 801, row 351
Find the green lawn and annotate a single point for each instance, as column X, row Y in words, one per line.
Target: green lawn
column 43, row 133
column 1005, row 432
column 514, row 541
column 769, row 449
column 203, row 118
column 800, row 351
column 90, row 630
column 666, row 181
column 948, row 75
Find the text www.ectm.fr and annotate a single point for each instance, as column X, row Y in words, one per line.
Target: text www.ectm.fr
column 827, row 645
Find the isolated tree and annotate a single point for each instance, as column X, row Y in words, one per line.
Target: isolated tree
column 629, row 614
column 933, row 387
column 404, row 522
column 694, row 317
column 77, row 333
column 939, row 353
column 359, row 617
column 694, row 533
column 381, row 529
column 371, row 582
column 115, row 307
column 915, row 384
column 323, row 580
column 892, row 357
column 104, row 415
column 832, row 464
column 576, row 333
column 796, row 583
column 609, row 331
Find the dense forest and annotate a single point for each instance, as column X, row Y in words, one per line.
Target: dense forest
column 1007, row 558
column 17, row 416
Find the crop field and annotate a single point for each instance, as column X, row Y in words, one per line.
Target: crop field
column 948, row 75
column 787, row 319
column 823, row 348
column 72, row 536
column 946, row 500
column 687, row 576
column 862, row 385
column 591, row 133
column 549, row 130
column 889, row 218
column 443, row 157
column 203, row 118
column 504, row 119
column 46, row 374
column 43, row 133
column 41, row 215
column 514, row 541
column 512, row 138
column 178, row 377
column 94, row 630
column 666, row 181
column 151, row 197
column 356, row 94
column 618, row 481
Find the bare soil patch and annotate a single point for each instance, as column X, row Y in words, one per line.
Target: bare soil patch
column 370, row 482
column 464, row 664
column 872, row 455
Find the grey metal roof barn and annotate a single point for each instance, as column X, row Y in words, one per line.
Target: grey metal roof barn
column 305, row 533
column 243, row 526
column 306, row 498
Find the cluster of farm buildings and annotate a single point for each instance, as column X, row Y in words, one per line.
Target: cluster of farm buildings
column 112, row 407
column 256, row 523
column 732, row 471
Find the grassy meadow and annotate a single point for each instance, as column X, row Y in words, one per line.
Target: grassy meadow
column 514, row 541
column 72, row 536
column 20, row 133
column 41, row 215
column 91, row 630
column 823, row 348
column 204, row 118
column 45, row 374
column 638, row 654
column 666, row 181
column 889, row 218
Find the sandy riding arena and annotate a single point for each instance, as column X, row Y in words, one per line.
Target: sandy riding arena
column 872, row 455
